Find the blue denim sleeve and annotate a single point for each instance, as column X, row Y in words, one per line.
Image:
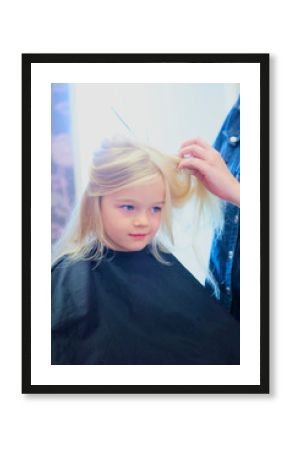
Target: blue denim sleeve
column 225, row 251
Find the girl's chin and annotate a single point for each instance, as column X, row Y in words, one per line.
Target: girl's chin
column 130, row 247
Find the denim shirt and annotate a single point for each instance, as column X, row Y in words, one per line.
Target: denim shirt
column 225, row 250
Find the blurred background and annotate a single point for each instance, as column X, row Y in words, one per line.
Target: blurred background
column 162, row 115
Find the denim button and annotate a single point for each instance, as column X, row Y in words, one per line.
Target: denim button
column 233, row 139
column 230, row 254
column 236, row 218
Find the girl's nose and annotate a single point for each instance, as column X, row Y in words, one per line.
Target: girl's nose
column 141, row 220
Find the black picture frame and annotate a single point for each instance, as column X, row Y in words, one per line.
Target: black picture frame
column 262, row 60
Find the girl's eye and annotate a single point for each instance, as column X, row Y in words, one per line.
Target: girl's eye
column 156, row 209
column 127, row 207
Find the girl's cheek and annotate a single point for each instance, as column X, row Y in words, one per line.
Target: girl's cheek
column 157, row 222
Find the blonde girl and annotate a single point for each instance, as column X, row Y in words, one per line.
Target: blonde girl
column 118, row 295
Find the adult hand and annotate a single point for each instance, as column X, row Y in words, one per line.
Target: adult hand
column 208, row 166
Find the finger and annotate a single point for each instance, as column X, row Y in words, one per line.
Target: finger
column 193, row 164
column 194, row 150
column 196, row 141
column 203, row 143
column 188, row 142
column 195, row 172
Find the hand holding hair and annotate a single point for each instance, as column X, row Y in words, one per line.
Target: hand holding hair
column 208, row 166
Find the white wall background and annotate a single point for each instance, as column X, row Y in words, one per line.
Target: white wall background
column 143, row 422
column 162, row 115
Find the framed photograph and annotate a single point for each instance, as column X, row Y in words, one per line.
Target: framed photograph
column 140, row 274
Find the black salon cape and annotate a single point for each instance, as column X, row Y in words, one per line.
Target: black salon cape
column 132, row 309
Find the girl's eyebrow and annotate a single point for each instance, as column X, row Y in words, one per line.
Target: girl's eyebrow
column 130, row 200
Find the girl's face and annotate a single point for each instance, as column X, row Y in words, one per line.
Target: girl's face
column 131, row 217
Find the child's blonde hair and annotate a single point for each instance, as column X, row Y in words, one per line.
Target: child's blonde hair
column 120, row 165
